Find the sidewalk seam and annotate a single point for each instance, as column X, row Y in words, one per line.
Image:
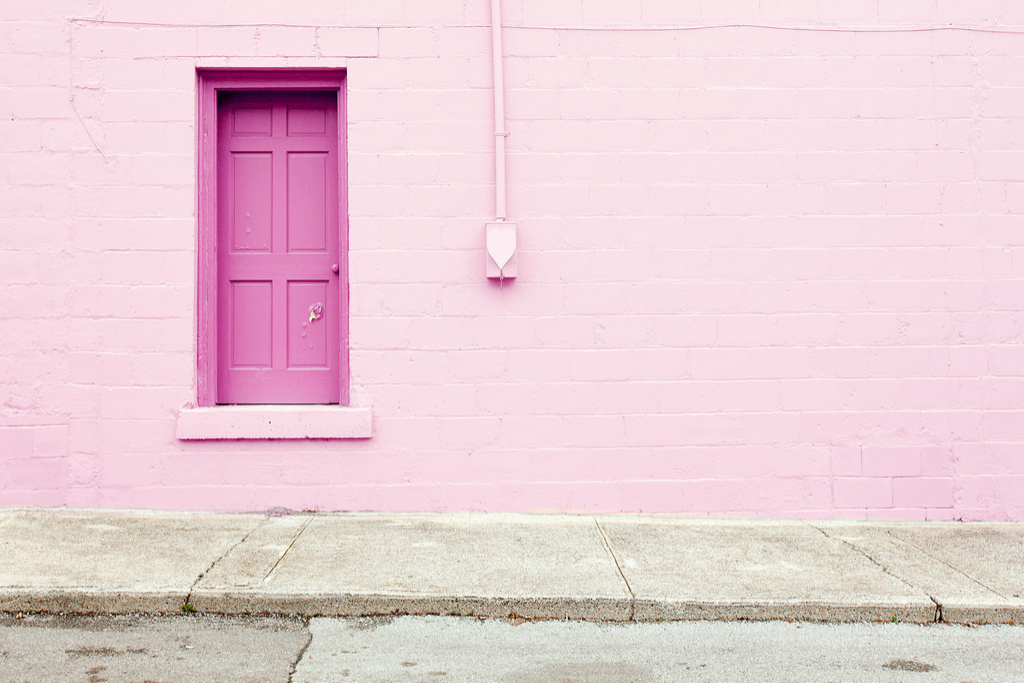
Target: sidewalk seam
column 885, row 570
column 192, row 588
column 608, row 547
column 288, row 549
column 941, row 561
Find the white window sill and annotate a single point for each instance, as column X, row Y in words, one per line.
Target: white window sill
column 274, row 422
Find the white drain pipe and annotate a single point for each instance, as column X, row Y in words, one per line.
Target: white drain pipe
column 499, row 113
column 500, row 236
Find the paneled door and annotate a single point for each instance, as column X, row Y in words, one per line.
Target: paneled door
column 278, row 292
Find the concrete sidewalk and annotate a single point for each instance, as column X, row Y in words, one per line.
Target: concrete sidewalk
column 615, row 568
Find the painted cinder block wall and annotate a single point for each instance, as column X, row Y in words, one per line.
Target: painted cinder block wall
column 770, row 270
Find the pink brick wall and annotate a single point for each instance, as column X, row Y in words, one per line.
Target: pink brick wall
column 774, row 270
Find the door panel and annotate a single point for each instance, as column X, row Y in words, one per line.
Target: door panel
column 307, row 201
column 252, row 189
column 278, row 235
column 251, row 314
column 252, row 121
column 307, row 324
column 303, row 121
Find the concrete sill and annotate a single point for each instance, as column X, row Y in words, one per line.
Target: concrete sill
column 274, row 422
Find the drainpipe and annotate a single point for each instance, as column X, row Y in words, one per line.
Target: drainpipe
column 499, row 112
column 500, row 236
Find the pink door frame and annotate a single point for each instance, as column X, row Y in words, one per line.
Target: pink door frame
column 209, row 83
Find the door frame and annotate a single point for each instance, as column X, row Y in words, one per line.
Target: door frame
column 209, row 83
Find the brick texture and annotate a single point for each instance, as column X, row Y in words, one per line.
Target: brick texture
column 771, row 270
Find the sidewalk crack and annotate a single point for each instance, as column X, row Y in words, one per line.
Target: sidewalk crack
column 192, row 588
column 941, row 561
column 885, row 570
column 622, row 575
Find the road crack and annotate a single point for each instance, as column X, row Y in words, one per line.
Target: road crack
column 302, row 652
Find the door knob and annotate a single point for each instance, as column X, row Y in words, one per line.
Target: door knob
column 334, row 268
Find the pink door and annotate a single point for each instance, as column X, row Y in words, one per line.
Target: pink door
column 278, row 289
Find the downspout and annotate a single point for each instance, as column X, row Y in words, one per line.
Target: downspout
column 500, row 235
column 499, row 113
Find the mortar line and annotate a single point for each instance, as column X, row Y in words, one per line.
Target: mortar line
column 608, row 547
column 885, row 570
column 941, row 561
column 286, row 550
column 85, row 21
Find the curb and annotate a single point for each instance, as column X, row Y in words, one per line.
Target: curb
column 611, row 610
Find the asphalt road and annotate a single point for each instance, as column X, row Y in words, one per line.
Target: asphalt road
column 421, row 649
column 140, row 649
